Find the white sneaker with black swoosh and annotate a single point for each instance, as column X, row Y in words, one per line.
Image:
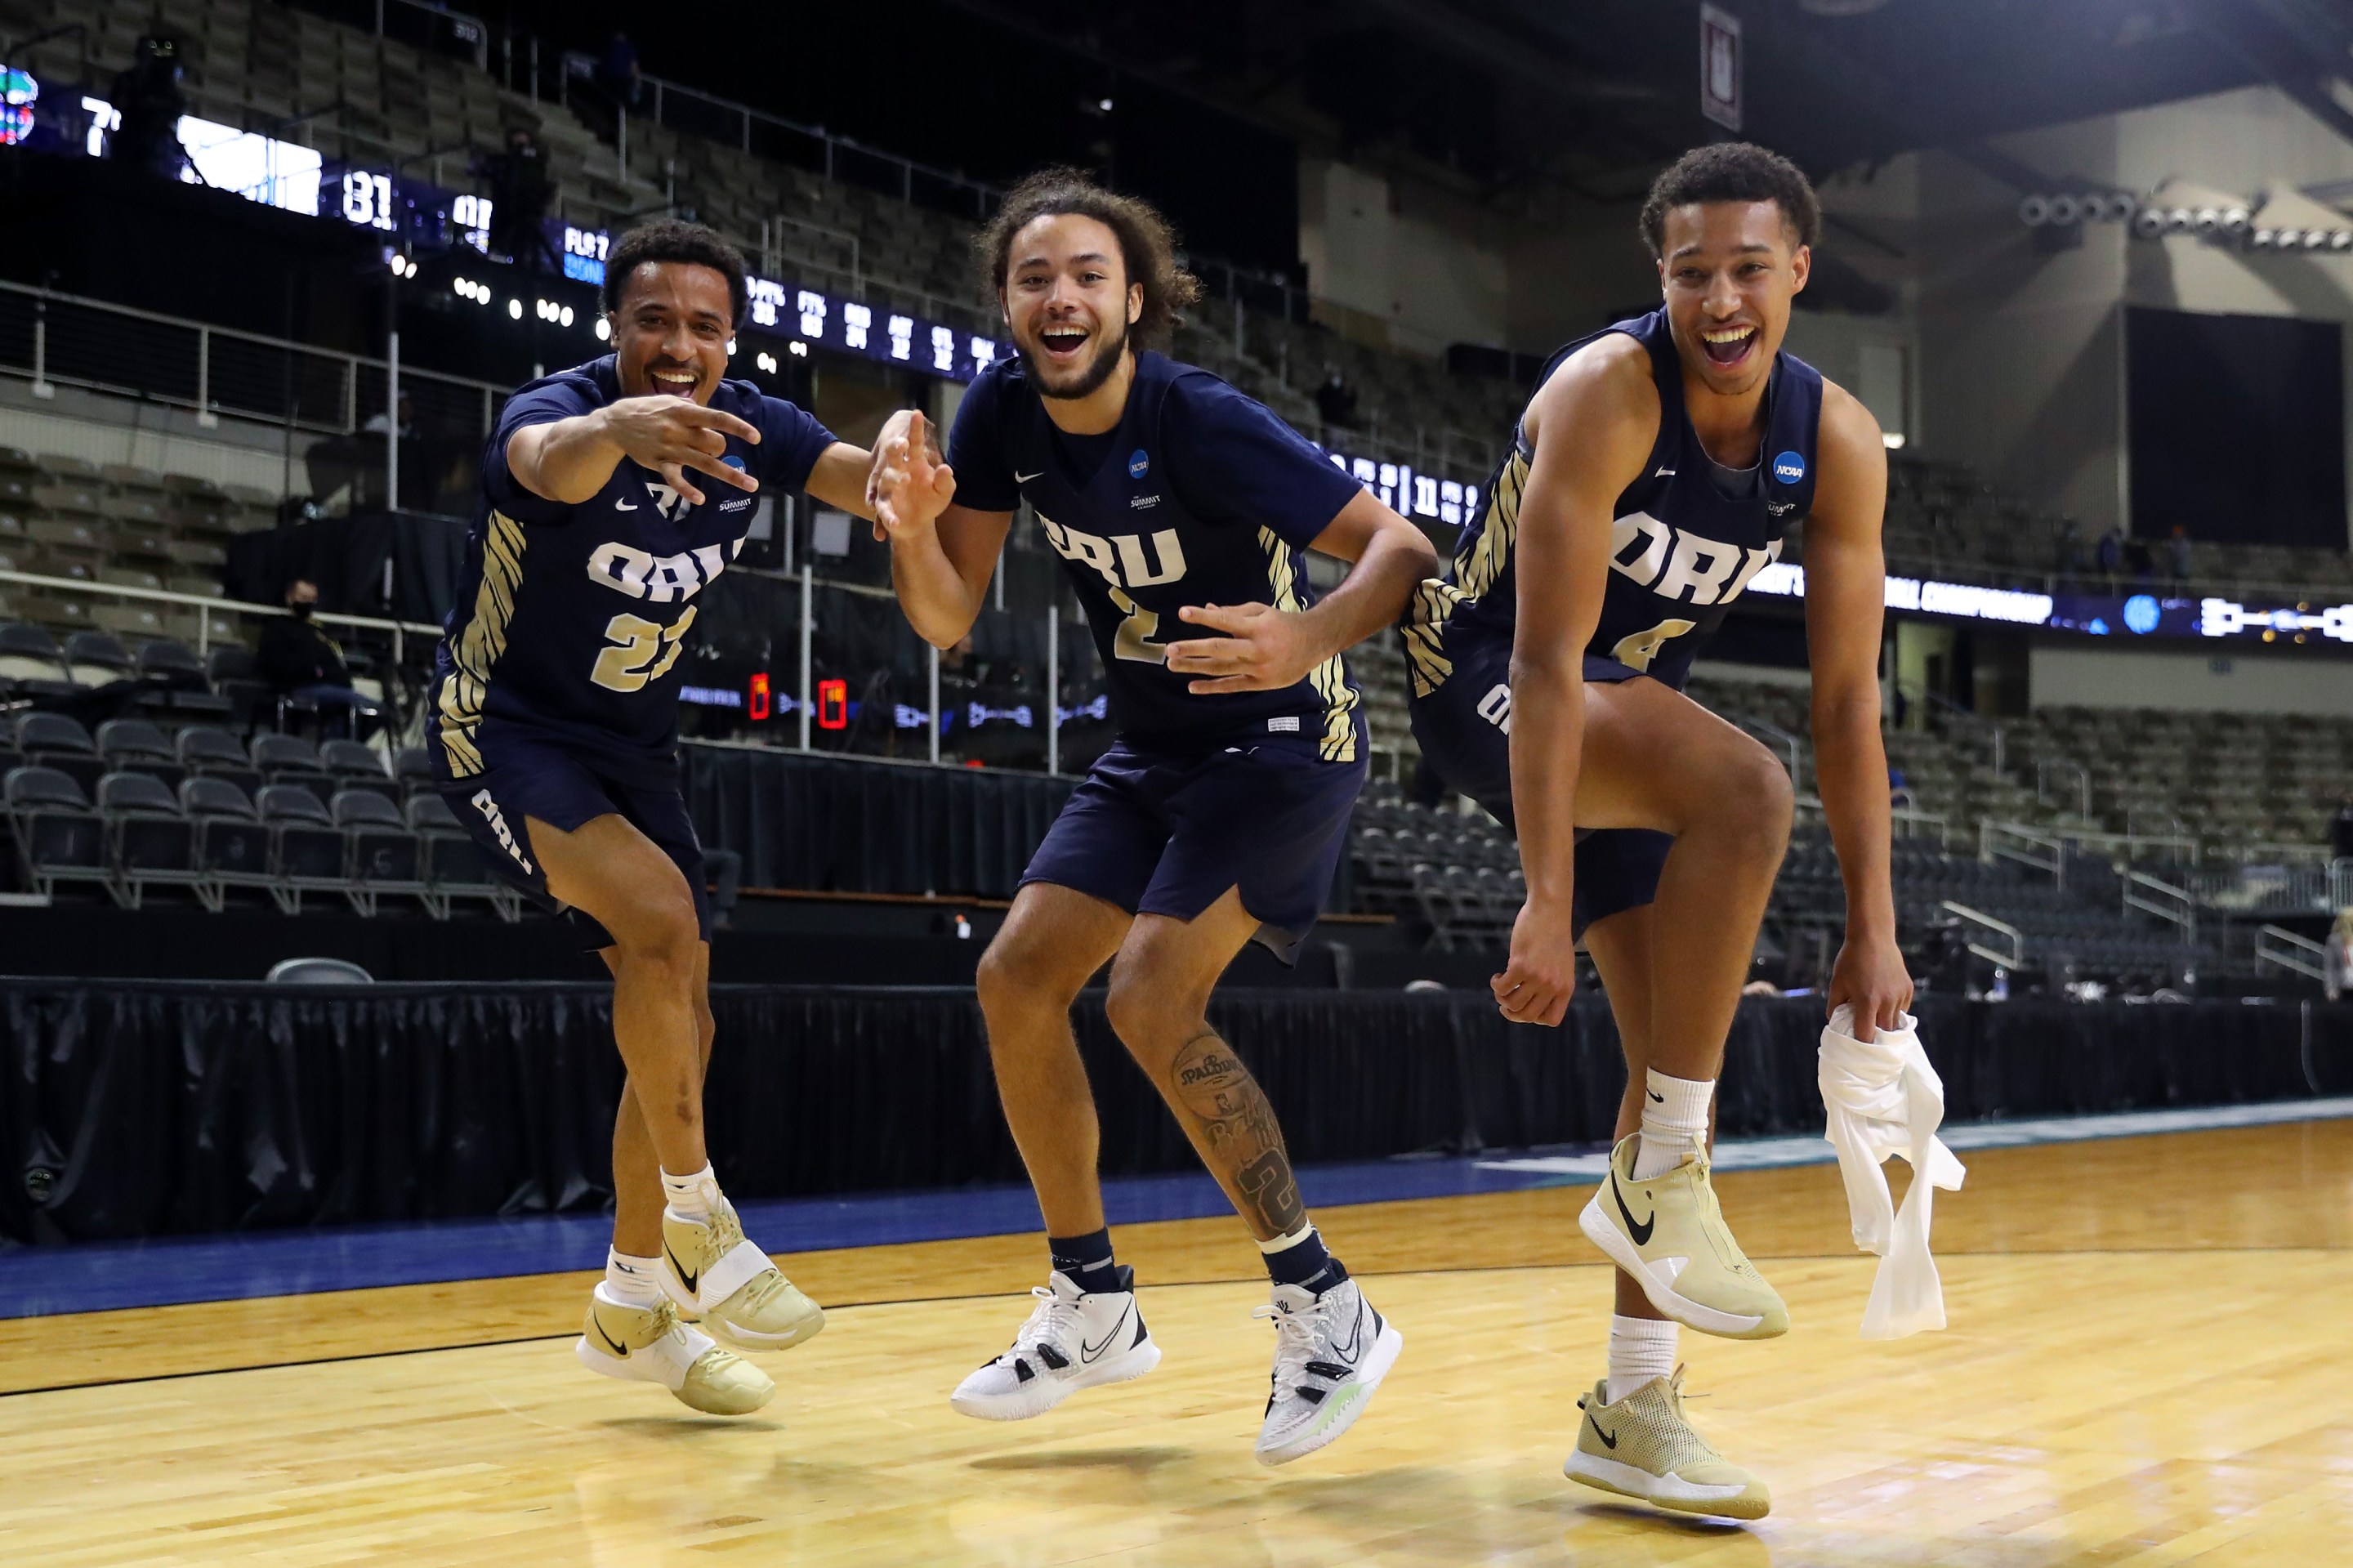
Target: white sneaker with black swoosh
column 1331, row 1352
column 1073, row 1339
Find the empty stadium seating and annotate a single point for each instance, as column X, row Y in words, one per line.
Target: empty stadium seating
column 131, row 812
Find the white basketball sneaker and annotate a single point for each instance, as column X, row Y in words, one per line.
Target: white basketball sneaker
column 1331, row 1352
column 1073, row 1339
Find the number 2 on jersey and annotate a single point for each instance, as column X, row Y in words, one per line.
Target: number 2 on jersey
column 1134, row 638
column 636, row 641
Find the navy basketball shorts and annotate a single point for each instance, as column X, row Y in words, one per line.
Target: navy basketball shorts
column 527, row 773
column 1161, row 831
column 1463, row 729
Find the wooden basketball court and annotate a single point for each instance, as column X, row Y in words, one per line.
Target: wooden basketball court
column 2147, row 1366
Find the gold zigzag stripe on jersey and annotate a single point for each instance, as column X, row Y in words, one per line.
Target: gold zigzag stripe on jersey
column 1483, row 560
column 479, row 645
column 1329, row 679
column 1424, row 630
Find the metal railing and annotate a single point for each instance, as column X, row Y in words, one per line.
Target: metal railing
column 2013, row 958
column 2124, row 847
column 66, row 340
column 209, row 607
column 2025, row 846
column 2284, row 949
column 2045, row 766
column 2168, row 903
column 759, row 133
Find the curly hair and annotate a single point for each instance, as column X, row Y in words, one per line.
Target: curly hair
column 1731, row 171
column 674, row 239
column 1147, row 246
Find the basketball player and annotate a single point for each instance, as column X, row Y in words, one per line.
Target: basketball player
column 613, row 494
column 1178, row 505
column 1658, row 467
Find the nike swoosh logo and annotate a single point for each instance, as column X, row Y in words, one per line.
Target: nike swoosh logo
column 1664, row 473
column 1026, row 478
column 1348, row 1353
column 619, row 1349
column 1088, row 1353
column 625, row 506
column 1607, row 1440
column 1655, row 1098
column 1640, row 1232
column 692, row 1280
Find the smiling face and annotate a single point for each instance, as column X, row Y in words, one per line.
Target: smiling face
column 671, row 330
column 1068, row 303
column 1728, row 270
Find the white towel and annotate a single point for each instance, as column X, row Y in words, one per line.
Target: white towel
column 1885, row 1098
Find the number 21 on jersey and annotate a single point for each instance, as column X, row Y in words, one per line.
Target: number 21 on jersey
column 640, row 651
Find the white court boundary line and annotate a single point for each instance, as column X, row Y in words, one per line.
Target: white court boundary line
column 1773, row 1153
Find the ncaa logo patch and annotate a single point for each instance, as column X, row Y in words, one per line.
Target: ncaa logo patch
column 1138, row 463
column 1789, row 468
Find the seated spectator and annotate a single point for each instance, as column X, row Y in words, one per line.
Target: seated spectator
column 1336, row 400
column 2142, row 565
column 2340, row 831
column 2337, row 963
column 302, row 661
column 2177, row 549
column 1899, row 792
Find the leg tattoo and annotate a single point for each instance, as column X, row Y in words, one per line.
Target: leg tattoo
column 1239, row 1128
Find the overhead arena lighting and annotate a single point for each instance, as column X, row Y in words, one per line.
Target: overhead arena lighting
column 604, row 329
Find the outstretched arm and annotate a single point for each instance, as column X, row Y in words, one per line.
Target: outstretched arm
column 1846, row 578
column 942, row 555
column 1265, row 649
column 1593, row 425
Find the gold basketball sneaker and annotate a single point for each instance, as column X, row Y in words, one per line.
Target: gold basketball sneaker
column 741, row 1297
column 1667, row 1232
column 1642, row 1448
column 648, row 1344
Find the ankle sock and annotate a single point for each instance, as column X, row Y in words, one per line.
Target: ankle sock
column 689, row 1196
column 1087, row 1260
column 632, row 1281
column 1300, row 1259
column 1640, row 1349
column 1674, row 1121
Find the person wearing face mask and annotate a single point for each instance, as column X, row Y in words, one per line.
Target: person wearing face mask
column 302, row 661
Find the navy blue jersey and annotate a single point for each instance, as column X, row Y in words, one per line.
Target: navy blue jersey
column 572, row 619
column 1682, row 547
column 1200, row 496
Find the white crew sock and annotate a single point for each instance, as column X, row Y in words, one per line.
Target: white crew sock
column 689, row 1196
column 1674, row 1121
column 1640, row 1349
column 632, row 1281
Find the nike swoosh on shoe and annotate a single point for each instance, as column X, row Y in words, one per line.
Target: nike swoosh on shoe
column 1091, row 1353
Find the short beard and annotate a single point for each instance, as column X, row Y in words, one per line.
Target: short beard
column 1090, row 379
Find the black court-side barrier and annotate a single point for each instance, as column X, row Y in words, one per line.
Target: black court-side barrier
column 147, row 1108
column 852, row 825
